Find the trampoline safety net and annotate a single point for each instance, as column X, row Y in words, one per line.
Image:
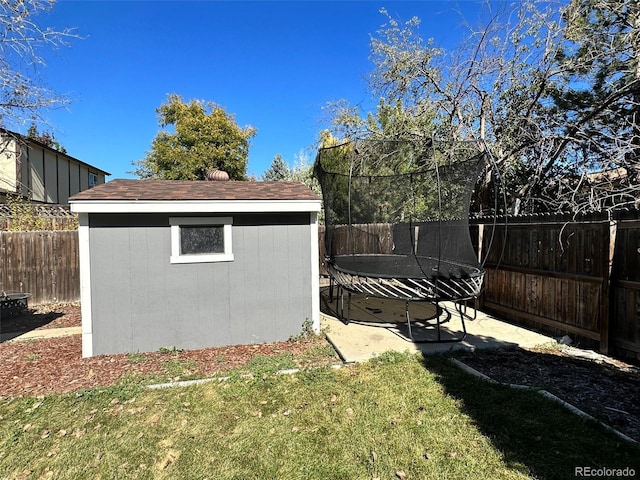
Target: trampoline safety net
column 397, row 218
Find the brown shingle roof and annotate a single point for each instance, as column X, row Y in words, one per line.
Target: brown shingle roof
column 168, row 190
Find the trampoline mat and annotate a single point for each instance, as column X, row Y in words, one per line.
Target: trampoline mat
column 403, row 267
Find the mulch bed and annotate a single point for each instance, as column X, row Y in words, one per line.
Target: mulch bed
column 55, row 365
column 605, row 388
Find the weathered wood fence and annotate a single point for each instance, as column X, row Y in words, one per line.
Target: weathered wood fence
column 562, row 275
column 42, row 263
column 580, row 278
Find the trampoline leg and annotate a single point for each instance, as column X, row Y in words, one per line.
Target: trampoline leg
column 340, row 305
column 464, row 327
column 462, row 308
column 406, row 312
column 438, row 322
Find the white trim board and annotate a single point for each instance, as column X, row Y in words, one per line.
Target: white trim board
column 85, row 284
column 195, row 206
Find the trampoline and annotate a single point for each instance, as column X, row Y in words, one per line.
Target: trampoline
column 396, row 225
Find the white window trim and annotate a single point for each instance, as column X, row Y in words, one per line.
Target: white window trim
column 178, row 257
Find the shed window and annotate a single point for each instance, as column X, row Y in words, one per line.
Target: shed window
column 201, row 239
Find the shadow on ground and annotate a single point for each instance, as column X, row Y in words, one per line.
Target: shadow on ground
column 379, row 325
column 26, row 321
column 532, row 431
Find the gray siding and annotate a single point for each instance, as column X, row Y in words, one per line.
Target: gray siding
column 142, row 302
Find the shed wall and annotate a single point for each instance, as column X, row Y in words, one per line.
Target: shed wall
column 142, row 302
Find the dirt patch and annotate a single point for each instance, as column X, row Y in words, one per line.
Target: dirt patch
column 603, row 387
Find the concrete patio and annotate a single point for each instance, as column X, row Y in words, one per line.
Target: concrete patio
column 378, row 326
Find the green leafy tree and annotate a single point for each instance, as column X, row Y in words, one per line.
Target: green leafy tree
column 596, row 98
column 205, row 138
column 45, row 138
column 278, row 170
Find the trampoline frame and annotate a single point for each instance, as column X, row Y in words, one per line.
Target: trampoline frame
column 431, row 275
column 412, row 289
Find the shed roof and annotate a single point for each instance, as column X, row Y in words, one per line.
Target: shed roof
column 126, row 195
column 174, row 190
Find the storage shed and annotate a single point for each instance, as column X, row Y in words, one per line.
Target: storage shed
column 195, row 264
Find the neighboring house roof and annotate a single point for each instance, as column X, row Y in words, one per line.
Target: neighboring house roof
column 25, row 139
column 206, row 196
column 612, row 175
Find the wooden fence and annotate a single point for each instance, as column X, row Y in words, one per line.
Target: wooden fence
column 580, row 278
column 42, row 263
column 561, row 275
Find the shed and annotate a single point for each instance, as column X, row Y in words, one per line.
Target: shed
column 195, row 264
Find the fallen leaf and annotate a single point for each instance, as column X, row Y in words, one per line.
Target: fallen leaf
column 62, row 433
column 46, row 474
column 401, row 475
column 96, row 460
column 170, row 458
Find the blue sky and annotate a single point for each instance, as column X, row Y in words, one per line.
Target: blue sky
column 272, row 64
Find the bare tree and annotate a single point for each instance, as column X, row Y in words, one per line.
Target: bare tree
column 549, row 89
column 22, row 40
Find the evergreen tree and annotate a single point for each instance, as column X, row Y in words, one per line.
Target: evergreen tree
column 278, row 170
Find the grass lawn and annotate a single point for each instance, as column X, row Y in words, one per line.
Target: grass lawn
column 398, row 416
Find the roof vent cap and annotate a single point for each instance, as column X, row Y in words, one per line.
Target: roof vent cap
column 217, row 176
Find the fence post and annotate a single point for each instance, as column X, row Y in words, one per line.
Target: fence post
column 606, row 320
